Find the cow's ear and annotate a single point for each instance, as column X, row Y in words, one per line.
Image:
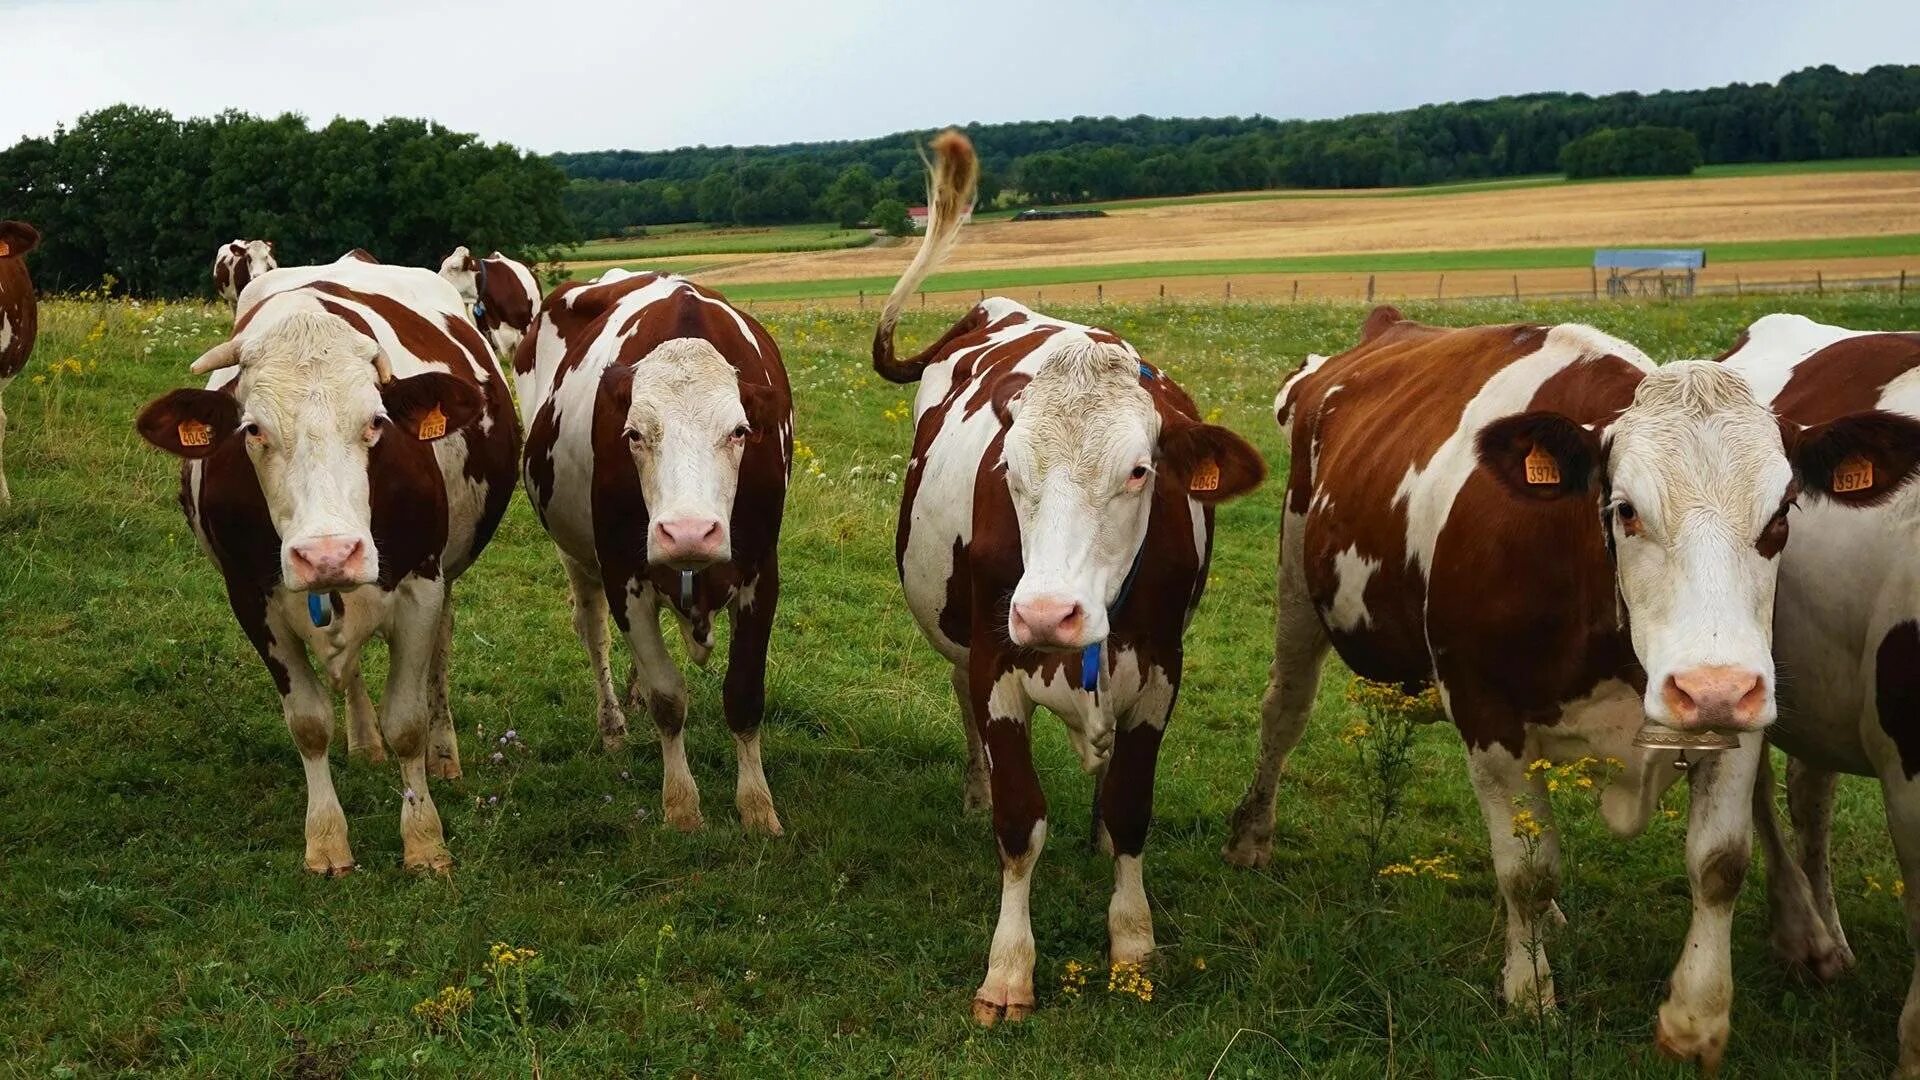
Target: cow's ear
column 189, row 423
column 429, row 405
column 762, row 405
column 1006, row 397
column 17, row 238
column 1213, row 463
column 1541, row 455
column 1856, row 460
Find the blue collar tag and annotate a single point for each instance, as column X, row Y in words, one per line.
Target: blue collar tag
column 1146, row 372
column 319, row 610
column 1090, row 667
column 686, row 590
column 479, row 312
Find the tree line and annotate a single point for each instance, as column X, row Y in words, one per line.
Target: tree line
column 144, row 197
column 1818, row 113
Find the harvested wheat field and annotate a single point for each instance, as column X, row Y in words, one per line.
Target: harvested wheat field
column 1692, row 211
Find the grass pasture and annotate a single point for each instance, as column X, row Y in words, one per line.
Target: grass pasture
column 156, row 920
column 668, row 241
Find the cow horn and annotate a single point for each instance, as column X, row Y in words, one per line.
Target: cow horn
column 382, row 367
column 225, row 354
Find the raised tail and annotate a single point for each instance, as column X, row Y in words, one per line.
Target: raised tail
column 952, row 178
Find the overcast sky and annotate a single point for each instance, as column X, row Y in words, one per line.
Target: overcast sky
column 644, row 75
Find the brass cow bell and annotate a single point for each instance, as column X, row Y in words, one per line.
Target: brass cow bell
column 1653, row 736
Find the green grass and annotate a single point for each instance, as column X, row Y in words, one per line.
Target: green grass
column 1364, row 263
column 156, row 920
column 670, row 241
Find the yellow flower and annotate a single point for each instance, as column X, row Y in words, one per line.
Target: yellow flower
column 443, row 1009
column 1525, row 825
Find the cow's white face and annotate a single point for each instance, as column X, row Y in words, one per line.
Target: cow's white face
column 259, row 257
column 1700, row 490
column 462, row 271
column 1080, row 458
column 310, row 411
column 687, row 428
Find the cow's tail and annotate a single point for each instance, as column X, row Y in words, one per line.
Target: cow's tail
column 952, row 178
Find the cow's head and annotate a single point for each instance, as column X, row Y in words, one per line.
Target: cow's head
column 1693, row 485
column 312, row 404
column 686, row 419
column 17, row 238
column 258, row 257
column 1084, row 450
column 462, row 271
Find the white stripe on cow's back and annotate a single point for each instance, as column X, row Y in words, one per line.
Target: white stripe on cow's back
column 1429, row 493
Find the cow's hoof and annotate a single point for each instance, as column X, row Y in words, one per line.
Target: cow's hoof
column 331, row 864
column 1684, row 1038
column 1244, row 849
column 437, row 861
column 758, row 817
column 614, row 741
column 372, row 753
column 684, row 818
column 1822, row 961
column 976, row 799
column 987, row 1013
column 444, row 768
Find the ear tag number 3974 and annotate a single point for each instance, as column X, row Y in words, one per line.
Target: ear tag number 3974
column 1541, row 467
column 1855, row 473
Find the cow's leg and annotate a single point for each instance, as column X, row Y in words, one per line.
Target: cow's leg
column 405, row 724
column 1526, row 863
column 1695, row 1020
column 978, row 793
column 1901, row 795
column 308, row 709
column 1300, row 645
column 1799, row 935
column 1020, row 831
column 744, row 695
column 1126, row 807
column 6, row 496
column 657, row 679
column 1810, row 793
column 363, row 721
column 588, row 598
column 443, row 744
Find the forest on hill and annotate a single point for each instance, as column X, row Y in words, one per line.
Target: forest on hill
column 1814, row 114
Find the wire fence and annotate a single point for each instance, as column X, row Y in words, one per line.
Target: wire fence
column 1572, row 283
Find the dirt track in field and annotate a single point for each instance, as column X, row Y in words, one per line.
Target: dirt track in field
column 1664, row 211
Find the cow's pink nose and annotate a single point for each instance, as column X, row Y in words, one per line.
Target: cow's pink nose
column 328, row 562
column 1048, row 622
column 1716, row 697
column 688, row 538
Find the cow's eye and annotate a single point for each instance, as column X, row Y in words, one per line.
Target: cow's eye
column 1139, row 473
column 251, row 429
column 631, row 436
column 740, row 433
column 1628, row 517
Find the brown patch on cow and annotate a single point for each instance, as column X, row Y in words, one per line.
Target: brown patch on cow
column 1378, row 320
column 669, row 713
column 1738, row 344
column 19, row 308
column 504, row 299
column 1849, row 376
column 1896, row 692
column 361, row 255
column 955, row 620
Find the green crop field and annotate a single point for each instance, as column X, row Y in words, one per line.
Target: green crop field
column 704, row 240
column 156, row 920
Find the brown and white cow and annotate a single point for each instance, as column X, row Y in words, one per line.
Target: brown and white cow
column 501, row 292
column 349, row 459
column 1567, row 541
column 1053, row 542
column 1847, row 629
column 19, row 318
column 659, row 443
column 238, row 262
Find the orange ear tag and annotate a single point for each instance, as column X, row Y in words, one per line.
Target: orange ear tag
column 1855, row 473
column 6, row 249
column 433, row 425
column 195, row 433
column 1541, row 467
column 1206, row 476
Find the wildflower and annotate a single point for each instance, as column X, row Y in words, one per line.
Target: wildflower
column 1526, row 826
column 409, row 795
column 1129, row 978
column 1355, row 733
column 1073, row 978
column 497, row 757
column 443, row 1010
column 504, row 956
column 1199, row 963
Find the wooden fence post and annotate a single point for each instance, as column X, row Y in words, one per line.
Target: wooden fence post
column 863, row 298
column 1819, row 283
column 1099, row 294
column 1738, row 289
column 1594, row 271
column 1903, row 287
column 1440, row 288
column 1163, row 290
column 1516, row 286
column 1296, row 288
column 1229, row 288
column 1369, row 288
column 923, row 299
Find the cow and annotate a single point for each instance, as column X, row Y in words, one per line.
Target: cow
column 1568, row 543
column 659, row 445
column 19, row 319
column 1847, row 629
column 350, row 457
column 238, row 262
column 502, row 293
column 1053, row 541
